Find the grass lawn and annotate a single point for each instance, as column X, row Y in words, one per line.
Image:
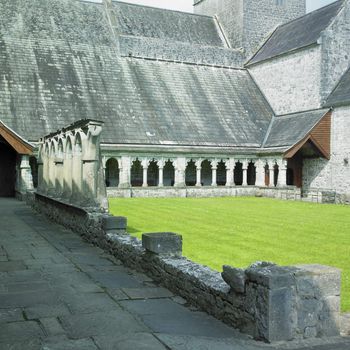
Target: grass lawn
column 239, row 231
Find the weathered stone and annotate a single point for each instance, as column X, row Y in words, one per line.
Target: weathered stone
column 111, row 223
column 235, row 278
column 163, row 243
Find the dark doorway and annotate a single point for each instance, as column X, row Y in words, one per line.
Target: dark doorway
column 7, row 169
column 295, row 171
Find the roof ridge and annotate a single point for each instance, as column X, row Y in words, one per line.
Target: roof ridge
column 306, row 111
column 185, row 62
column 338, row 83
column 160, row 8
column 310, row 13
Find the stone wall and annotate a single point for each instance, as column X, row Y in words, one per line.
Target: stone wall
column 291, row 83
column 183, row 52
column 269, row 302
column 247, row 23
column 335, row 173
column 291, row 193
column 335, row 51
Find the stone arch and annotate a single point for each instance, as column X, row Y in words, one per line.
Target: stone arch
column 251, row 174
column 206, row 173
column 153, row 173
column 221, row 175
column 190, row 173
column 112, row 172
column 238, row 174
column 169, row 173
column 136, row 173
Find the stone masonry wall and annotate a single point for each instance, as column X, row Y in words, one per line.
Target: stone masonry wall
column 262, row 17
column 183, row 52
column 229, row 14
column 335, row 173
column 291, row 82
column 247, row 23
column 290, row 193
column 335, row 51
column 269, row 302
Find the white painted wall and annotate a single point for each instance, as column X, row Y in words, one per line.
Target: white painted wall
column 333, row 174
column 291, row 82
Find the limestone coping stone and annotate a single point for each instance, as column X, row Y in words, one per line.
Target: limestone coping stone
column 163, row 243
column 111, row 223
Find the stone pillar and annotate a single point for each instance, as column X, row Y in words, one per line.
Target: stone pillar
column 144, row 164
column 230, row 168
column 214, row 168
column 26, row 179
column 124, row 172
column 245, row 172
column 260, row 173
column 59, row 177
column 161, row 164
column 272, row 173
column 67, row 175
column 198, row 173
column 294, row 301
column 282, row 173
column 40, row 176
column 180, row 168
column 77, row 172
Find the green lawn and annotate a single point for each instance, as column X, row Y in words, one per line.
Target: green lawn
column 239, row 231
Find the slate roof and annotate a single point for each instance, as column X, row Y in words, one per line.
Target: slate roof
column 150, row 22
column 299, row 33
column 341, row 93
column 289, row 129
column 58, row 74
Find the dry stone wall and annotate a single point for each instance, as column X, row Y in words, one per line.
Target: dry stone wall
column 269, row 302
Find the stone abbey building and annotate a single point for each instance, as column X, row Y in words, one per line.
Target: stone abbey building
column 239, row 96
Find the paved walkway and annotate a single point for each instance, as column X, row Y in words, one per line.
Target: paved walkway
column 58, row 292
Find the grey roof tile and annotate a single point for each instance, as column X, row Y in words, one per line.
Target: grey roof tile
column 298, row 33
column 341, row 93
column 46, row 84
column 150, row 22
column 289, row 129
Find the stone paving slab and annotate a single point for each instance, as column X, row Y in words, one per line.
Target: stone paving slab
column 58, row 292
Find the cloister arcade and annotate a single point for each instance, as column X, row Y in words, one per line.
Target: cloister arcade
column 124, row 172
column 69, row 165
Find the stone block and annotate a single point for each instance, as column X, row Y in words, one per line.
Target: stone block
column 114, row 223
column 163, row 243
column 271, row 276
column 235, row 278
column 280, row 322
column 317, row 280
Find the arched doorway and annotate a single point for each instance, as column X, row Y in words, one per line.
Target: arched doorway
column 7, row 169
column 136, row 174
column 221, row 174
column 251, row 174
column 191, row 173
column 238, row 174
column 169, row 174
column 112, row 173
column 153, row 174
column 206, row 173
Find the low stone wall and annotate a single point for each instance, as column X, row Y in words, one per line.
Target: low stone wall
column 289, row 193
column 269, row 302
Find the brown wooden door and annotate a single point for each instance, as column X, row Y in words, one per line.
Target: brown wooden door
column 7, row 170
